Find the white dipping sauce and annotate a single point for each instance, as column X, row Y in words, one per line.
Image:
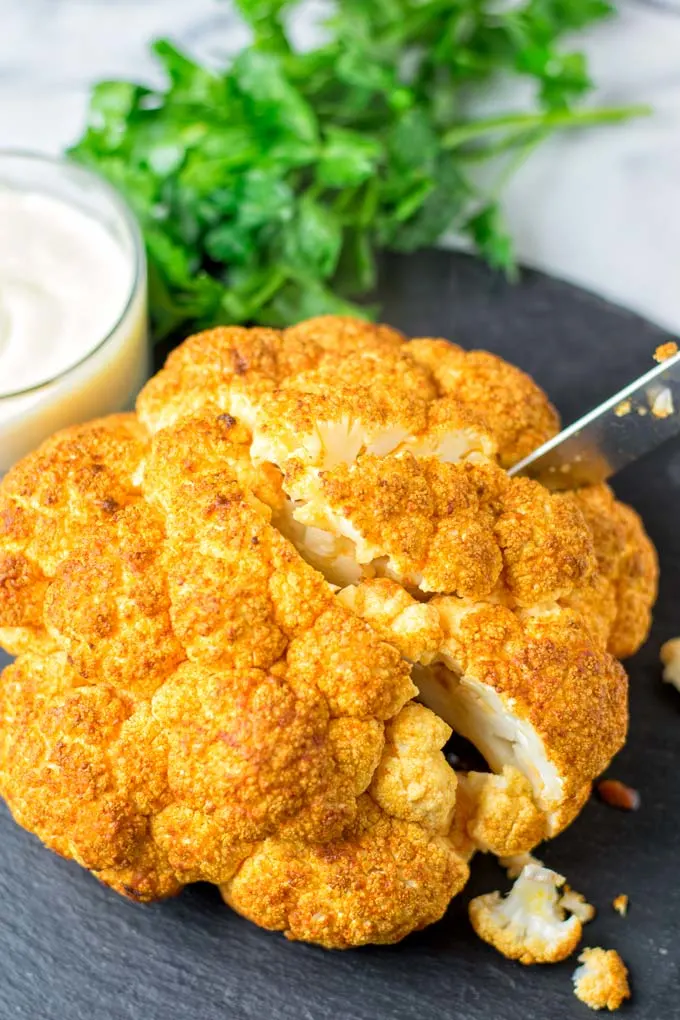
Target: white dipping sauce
column 72, row 320
column 64, row 282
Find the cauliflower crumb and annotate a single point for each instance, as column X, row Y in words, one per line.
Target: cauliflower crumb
column 529, row 924
column 622, row 409
column 515, row 863
column 670, row 657
column 662, row 405
column 601, row 982
column 620, row 904
column 665, row 351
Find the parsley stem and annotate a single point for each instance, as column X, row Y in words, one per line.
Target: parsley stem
column 521, row 122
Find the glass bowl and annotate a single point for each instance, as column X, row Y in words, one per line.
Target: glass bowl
column 107, row 373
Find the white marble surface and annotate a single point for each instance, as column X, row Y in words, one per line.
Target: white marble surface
column 599, row 207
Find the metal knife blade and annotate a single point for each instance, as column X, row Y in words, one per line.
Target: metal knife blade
column 634, row 421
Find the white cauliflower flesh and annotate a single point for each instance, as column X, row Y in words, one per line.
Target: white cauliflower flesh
column 602, row 979
column 529, row 924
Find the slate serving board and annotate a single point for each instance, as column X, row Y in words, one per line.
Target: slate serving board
column 72, row 950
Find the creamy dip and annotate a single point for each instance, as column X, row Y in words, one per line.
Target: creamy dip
column 72, row 316
column 64, row 282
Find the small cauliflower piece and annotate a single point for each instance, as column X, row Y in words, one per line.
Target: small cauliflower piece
column 601, row 982
column 665, row 351
column 670, row 658
column 620, row 904
column 529, row 924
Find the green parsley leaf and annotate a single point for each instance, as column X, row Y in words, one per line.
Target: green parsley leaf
column 266, row 189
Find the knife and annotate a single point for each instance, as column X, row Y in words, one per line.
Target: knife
column 634, row 421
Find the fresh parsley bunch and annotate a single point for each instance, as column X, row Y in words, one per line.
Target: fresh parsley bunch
column 266, row 190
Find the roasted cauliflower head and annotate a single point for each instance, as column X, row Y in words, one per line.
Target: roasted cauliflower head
column 248, row 617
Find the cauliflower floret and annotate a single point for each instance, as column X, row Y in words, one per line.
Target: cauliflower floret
column 617, row 602
column 383, row 879
column 602, row 979
column 518, row 413
column 115, row 573
column 341, row 335
column 413, row 780
column 670, row 657
column 501, row 816
column 373, row 368
column 81, row 476
column 528, row 924
column 413, row 627
column 492, row 677
column 204, row 446
column 222, row 370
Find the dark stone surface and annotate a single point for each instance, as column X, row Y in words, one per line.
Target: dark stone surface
column 72, row 950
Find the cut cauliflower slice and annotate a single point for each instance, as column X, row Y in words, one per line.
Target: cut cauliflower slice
column 530, row 690
column 319, row 430
column 528, row 924
column 448, row 527
column 601, row 981
column 490, row 678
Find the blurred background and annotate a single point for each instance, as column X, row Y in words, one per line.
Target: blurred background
column 599, row 207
